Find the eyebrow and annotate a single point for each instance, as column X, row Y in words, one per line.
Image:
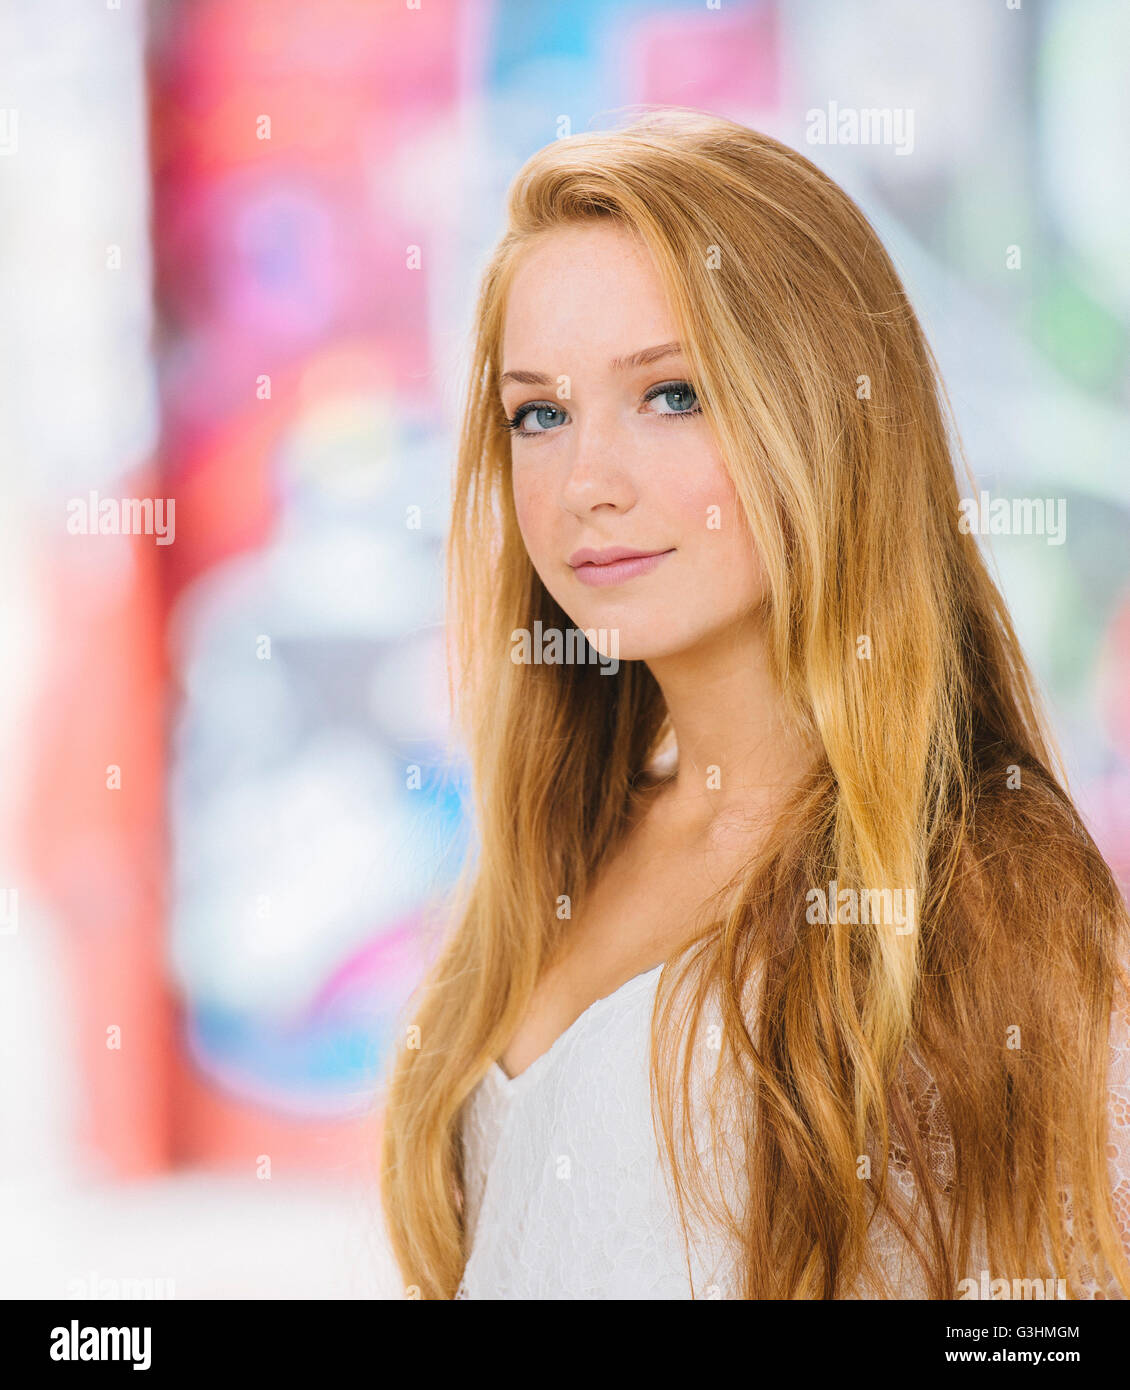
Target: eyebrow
column 643, row 358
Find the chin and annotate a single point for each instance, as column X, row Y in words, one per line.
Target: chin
column 634, row 644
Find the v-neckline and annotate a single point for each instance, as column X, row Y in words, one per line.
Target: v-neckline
column 508, row 1084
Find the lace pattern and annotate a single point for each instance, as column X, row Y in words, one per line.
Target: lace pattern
column 567, row 1198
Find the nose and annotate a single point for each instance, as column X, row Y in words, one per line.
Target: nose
column 599, row 471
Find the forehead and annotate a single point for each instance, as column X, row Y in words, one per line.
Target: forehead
column 593, row 286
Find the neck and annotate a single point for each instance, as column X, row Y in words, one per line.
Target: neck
column 737, row 750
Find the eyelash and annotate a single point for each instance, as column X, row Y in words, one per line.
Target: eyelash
column 514, row 423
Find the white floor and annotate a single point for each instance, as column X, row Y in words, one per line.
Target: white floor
column 192, row 1236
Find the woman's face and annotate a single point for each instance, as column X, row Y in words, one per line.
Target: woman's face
column 625, row 509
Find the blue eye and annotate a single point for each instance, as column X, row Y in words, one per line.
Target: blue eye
column 539, row 410
column 685, row 396
column 680, row 396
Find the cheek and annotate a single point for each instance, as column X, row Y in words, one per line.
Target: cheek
column 687, row 477
column 531, row 506
column 710, row 510
column 703, row 500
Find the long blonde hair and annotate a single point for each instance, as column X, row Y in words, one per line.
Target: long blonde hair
column 936, row 772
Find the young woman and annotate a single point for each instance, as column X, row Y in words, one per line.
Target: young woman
column 786, row 967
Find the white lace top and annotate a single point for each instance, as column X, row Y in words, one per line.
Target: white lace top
column 565, row 1191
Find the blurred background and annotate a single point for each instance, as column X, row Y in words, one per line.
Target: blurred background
column 239, row 247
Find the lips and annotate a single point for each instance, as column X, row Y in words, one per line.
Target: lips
column 618, row 563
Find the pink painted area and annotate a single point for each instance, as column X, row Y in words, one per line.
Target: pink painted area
column 290, row 146
column 720, row 60
column 386, row 967
column 1113, row 679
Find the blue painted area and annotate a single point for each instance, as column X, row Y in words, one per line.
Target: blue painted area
column 337, row 1062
